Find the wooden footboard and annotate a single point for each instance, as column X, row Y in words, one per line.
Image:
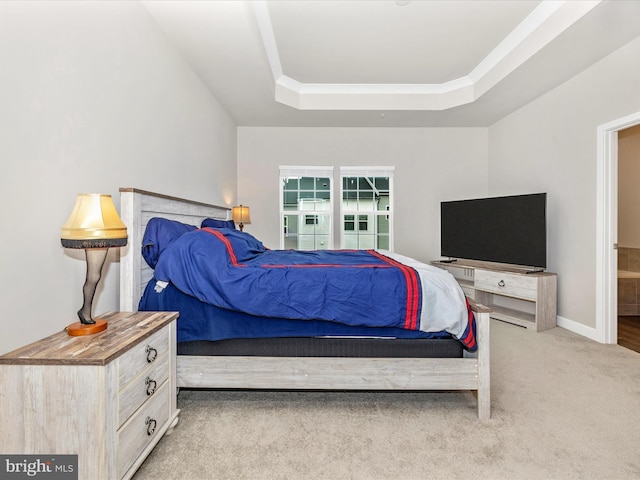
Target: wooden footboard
column 483, row 324
column 338, row 373
column 326, row 373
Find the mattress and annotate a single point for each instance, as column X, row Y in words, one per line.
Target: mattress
column 359, row 347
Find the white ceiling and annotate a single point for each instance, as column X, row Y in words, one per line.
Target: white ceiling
column 389, row 62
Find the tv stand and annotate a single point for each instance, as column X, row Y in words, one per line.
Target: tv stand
column 522, row 297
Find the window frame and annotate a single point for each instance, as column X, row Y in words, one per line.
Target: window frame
column 286, row 171
column 388, row 212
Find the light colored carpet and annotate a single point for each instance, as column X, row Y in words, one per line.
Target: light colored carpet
column 563, row 407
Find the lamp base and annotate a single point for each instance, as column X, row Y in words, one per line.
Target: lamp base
column 79, row 329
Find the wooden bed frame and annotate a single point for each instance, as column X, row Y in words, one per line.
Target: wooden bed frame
column 322, row 373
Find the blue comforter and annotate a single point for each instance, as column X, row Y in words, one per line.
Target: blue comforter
column 233, row 270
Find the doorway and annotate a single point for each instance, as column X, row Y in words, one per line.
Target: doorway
column 628, row 238
column 607, row 227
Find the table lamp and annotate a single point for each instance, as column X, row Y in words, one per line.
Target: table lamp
column 94, row 225
column 240, row 215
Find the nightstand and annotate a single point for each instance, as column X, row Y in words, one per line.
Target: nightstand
column 108, row 397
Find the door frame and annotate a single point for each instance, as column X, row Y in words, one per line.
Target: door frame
column 607, row 227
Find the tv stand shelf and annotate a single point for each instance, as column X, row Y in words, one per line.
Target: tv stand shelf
column 514, row 295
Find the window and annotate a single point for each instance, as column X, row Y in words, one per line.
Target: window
column 366, row 207
column 304, row 190
column 363, row 223
column 350, row 223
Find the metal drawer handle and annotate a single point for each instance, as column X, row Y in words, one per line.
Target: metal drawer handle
column 151, row 386
column 151, row 425
column 152, row 353
column 501, row 283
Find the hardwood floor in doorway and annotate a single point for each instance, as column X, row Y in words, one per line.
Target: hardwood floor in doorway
column 629, row 332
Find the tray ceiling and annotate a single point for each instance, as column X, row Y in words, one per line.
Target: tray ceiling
column 387, row 62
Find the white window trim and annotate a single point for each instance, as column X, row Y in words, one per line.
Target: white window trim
column 369, row 171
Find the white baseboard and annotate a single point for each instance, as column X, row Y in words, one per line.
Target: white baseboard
column 579, row 328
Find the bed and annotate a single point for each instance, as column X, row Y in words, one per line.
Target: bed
column 348, row 359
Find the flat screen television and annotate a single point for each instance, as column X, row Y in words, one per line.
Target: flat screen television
column 510, row 230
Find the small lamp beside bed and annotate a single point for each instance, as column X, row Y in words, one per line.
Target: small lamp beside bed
column 240, row 216
column 94, row 225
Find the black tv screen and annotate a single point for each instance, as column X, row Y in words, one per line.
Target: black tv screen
column 509, row 229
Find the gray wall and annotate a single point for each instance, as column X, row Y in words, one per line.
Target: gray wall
column 92, row 98
column 551, row 145
column 432, row 164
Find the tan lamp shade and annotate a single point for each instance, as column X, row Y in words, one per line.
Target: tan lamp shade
column 240, row 214
column 94, row 223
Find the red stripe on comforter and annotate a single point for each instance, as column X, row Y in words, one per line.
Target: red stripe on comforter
column 413, row 290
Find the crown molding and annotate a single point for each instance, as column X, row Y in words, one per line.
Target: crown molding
column 547, row 21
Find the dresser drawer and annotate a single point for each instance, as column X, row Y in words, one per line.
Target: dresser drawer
column 132, row 363
column 142, row 387
column 509, row 284
column 142, row 428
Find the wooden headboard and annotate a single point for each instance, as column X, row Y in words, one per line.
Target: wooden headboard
column 137, row 207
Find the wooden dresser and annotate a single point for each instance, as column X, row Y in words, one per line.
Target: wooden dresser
column 108, row 397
